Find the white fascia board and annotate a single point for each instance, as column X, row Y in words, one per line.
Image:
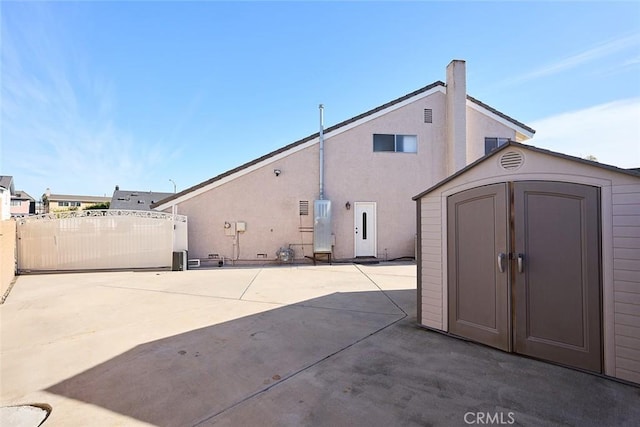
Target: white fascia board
column 297, row 148
column 524, row 133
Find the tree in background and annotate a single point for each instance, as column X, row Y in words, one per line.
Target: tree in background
column 104, row 205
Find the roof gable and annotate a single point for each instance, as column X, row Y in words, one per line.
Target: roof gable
column 437, row 86
column 22, row 195
column 6, row 182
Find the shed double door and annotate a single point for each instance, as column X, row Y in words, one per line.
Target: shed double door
column 524, row 270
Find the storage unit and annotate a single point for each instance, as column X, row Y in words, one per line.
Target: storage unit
column 537, row 253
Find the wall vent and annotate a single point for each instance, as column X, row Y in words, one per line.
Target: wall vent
column 304, row 207
column 428, row 115
column 511, row 160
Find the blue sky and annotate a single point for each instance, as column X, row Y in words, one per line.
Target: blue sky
column 96, row 94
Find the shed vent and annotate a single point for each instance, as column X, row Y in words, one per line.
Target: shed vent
column 511, row 160
column 428, row 115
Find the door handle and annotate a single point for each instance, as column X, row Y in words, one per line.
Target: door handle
column 501, row 257
column 520, row 263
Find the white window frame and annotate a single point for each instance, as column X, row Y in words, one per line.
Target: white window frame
column 396, row 143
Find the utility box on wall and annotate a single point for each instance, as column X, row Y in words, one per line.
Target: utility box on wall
column 322, row 239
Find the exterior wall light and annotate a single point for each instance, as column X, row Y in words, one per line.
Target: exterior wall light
column 347, row 205
column 277, row 172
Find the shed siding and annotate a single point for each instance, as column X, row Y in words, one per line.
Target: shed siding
column 626, row 276
column 431, row 274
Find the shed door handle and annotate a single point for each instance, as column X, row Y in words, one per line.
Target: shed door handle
column 520, row 263
column 501, row 257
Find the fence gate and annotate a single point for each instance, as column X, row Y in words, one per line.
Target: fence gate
column 99, row 239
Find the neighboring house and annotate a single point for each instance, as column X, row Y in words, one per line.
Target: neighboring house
column 372, row 166
column 135, row 200
column 22, row 204
column 537, row 253
column 6, row 191
column 65, row 202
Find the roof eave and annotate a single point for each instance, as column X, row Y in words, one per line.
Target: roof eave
column 523, row 132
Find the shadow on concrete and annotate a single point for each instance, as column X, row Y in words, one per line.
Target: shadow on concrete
column 185, row 379
column 341, row 360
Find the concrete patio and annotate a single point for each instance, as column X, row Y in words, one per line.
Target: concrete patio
column 297, row 345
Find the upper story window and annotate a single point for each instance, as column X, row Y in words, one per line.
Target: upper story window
column 16, row 203
column 395, row 143
column 491, row 144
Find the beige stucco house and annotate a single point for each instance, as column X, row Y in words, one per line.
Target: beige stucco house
column 372, row 165
column 68, row 202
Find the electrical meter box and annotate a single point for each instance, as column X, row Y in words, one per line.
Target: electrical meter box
column 229, row 228
column 241, row 226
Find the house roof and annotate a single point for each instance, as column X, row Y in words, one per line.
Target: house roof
column 632, row 172
column 22, row 195
column 75, row 198
column 433, row 87
column 6, row 182
column 136, row 200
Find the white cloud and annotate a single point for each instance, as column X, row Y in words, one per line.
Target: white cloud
column 589, row 55
column 610, row 132
column 58, row 121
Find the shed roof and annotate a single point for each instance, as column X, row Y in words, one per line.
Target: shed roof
column 631, row 172
column 435, row 86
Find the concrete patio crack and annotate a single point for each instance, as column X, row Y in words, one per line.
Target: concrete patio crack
column 296, row 373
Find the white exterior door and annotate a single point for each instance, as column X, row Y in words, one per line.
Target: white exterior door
column 365, row 229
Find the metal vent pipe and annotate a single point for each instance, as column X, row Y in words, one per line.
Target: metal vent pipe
column 321, row 151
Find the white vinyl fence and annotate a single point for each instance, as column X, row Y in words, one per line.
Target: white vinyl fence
column 99, row 239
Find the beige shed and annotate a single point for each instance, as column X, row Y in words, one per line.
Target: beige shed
column 537, row 253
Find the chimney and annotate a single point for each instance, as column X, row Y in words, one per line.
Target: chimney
column 117, row 188
column 456, row 116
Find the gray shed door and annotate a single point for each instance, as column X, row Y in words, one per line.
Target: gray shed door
column 549, row 234
column 557, row 274
column 478, row 289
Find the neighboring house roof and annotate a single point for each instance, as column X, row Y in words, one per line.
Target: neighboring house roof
column 22, row 195
column 75, row 198
column 136, row 200
column 437, row 86
column 6, row 182
column 514, row 144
